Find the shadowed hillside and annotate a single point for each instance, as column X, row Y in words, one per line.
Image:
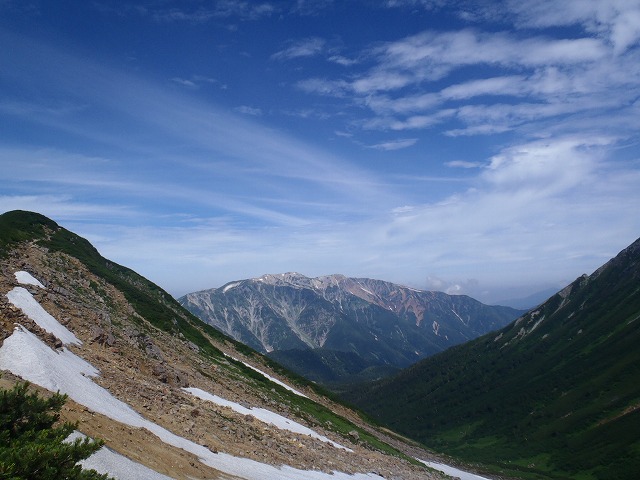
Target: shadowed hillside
column 556, row 394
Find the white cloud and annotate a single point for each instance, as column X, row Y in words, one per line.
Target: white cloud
column 463, row 164
column 250, row 197
column 184, row 82
column 65, row 207
column 395, row 144
column 430, row 4
column 196, row 81
column 341, row 60
column 221, row 146
column 404, row 104
column 432, row 55
column 307, row 47
column 617, row 21
column 256, row 112
column 321, row 86
column 409, row 123
column 484, row 129
column 508, row 85
column 381, row 80
column 546, row 166
column 547, row 202
column 343, row 134
column 538, row 77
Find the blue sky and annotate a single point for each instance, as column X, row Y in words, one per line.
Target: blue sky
column 479, row 147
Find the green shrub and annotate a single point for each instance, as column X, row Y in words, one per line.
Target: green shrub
column 32, row 441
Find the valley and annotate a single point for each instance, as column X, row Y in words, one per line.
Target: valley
column 552, row 395
column 337, row 330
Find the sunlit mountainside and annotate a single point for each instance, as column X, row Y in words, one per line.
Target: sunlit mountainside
column 171, row 396
column 336, row 330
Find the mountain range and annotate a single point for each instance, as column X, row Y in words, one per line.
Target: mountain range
column 337, row 329
column 556, row 394
column 553, row 395
column 171, row 396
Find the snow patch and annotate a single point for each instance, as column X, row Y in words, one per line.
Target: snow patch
column 230, row 286
column 459, row 317
column 26, row 278
column 366, row 291
column 21, row 298
column 535, row 325
column 27, row 356
column 118, row 466
column 263, row 415
column 274, row 380
column 452, row 471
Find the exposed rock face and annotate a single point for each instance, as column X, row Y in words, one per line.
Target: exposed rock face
column 102, row 336
column 381, row 323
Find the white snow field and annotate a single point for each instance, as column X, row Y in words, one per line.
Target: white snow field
column 264, row 415
column 26, row 278
column 452, row 471
column 21, row 298
column 274, row 380
column 117, row 466
column 25, row 355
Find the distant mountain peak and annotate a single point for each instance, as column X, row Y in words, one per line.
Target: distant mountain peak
column 375, row 323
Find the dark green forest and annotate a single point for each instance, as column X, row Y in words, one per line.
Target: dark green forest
column 554, row 395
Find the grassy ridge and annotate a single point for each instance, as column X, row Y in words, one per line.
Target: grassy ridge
column 163, row 312
column 554, row 395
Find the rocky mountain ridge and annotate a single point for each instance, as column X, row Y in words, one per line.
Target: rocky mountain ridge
column 337, row 328
column 140, row 358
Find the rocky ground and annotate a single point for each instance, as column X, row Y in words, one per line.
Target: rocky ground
column 147, row 368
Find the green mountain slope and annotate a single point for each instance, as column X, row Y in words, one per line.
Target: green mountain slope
column 556, row 394
column 148, row 349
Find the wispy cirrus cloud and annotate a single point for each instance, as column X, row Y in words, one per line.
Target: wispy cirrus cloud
column 307, row 47
column 222, row 9
column 192, row 138
column 534, row 194
column 342, row 60
column 395, row 144
column 463, row 164
column 539, row 77
column 323, row 86
column 196, row 81
column 433, row 55
column 616, row 21
column 245, row 109
column 413, row 122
